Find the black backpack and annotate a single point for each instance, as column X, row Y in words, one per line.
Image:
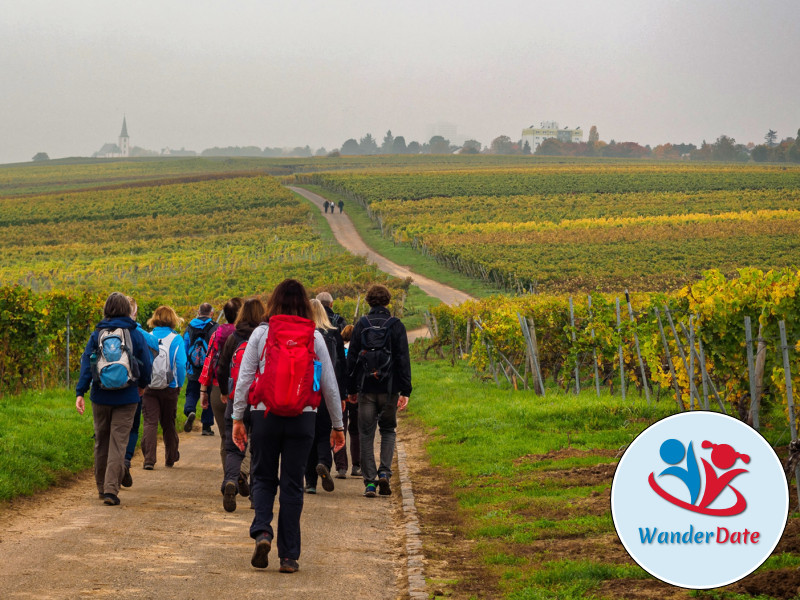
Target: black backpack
column 330, row 343
column 375, row 359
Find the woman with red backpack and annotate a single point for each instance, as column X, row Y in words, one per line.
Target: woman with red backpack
column 288, row 365
column 237, row 462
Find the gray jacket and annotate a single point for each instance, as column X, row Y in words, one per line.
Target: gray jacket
column 251, row 363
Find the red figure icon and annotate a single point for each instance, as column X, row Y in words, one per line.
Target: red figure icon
column 724, row 457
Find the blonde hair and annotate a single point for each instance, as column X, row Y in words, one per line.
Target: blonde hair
column 164, row 316
column 319, row 315
column 134, row 307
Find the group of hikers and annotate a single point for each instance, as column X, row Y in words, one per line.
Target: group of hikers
column 328, row 204
column 281, row 381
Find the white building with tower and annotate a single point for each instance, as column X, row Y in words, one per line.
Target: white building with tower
column 120, row 150
column 549, row 129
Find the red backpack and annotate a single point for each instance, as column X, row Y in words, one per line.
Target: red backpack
column 236, row 363
column 290, row 380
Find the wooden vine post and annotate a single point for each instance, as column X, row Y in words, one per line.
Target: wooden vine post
column 789, row 399
column 621, row 357
column 572, row 330
column 638, row 350
column 594, row 352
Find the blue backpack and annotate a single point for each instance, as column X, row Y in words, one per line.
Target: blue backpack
column 198, row 346
column 114, row 366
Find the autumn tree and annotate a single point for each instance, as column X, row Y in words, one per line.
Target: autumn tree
column 471, row 147
column 350, row 147
column 502, row 144
column 439, row 145
column 399, row 145
column 368, row 145
column 388, row 143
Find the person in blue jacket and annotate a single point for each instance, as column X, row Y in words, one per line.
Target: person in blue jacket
column 160, row 400
column 199, row 330
column 133, row 438
column 113, row 409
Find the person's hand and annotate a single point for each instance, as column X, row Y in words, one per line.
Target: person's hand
column 239, row 434
column 337, row 440
column 204, row 399
column 80, row 404
column 352, row 398
column 141, row 392
column 344, row 406
column 224, row 399
column 402, row 402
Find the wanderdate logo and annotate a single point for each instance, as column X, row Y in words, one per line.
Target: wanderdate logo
column 699, row 500
column 723, row 457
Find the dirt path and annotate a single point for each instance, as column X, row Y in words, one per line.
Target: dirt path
column 348, row 237
column 170, row 538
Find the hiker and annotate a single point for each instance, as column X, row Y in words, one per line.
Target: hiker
column 325, row 205
column 210, row 396
column 116, row 364
column 350, row 421
column 160, row 399
column 341, row 206
column 133, row 438
column 336, row 319
column 319, row 458
column 196, row 339
column 380, row 381
column 277, row 438
column 237, row 462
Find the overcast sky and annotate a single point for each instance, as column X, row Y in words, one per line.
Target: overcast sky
column 197, row 74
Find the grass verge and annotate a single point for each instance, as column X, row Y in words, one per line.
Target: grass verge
column 529, row 480
column 44, row 440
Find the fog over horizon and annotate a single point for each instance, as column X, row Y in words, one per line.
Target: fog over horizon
column 200, row 74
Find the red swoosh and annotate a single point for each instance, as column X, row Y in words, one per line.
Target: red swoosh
column 739, row 507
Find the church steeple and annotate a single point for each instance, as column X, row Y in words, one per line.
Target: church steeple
column 124, row 142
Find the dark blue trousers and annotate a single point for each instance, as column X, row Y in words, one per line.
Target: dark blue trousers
column 190, row 404
column 134, row 436
column 284, row 441
column 321, row 447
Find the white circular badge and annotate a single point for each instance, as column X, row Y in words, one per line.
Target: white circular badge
column 699, row 500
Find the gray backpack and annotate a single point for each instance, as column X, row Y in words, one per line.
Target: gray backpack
column 163, row 373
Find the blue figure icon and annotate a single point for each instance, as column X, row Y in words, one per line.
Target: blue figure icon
column 672, row 452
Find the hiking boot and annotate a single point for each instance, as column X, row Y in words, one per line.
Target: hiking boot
column 110, row 499
column 325, row 477
column 229, row 496
column 310, row 489
column 369, row 490
column 244, row 487
column 171, row 463
column 187, row 427
column 356, row 472
column 384, row 489
column 289, row 565
column 148, row 467
column 207, row 430
column 341, row 474
column 260, row 558
column 127, row 480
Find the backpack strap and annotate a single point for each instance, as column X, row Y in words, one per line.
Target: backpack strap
column 134, row 362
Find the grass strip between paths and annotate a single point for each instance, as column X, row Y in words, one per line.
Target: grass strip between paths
column 403, row 254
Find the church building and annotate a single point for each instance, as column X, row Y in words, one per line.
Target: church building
column 120, row 150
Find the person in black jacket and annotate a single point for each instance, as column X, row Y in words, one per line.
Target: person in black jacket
column 380, row 379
